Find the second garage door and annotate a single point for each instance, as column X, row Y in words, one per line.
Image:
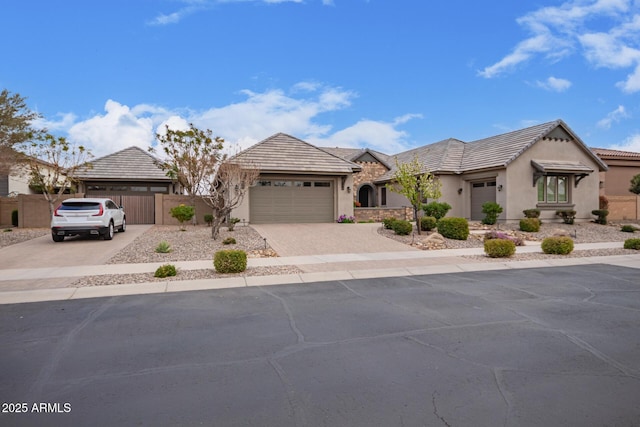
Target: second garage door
column 481, row 192
column 283, row 201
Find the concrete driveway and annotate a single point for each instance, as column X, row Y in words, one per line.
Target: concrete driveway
column 322, row 239
column 534, row 347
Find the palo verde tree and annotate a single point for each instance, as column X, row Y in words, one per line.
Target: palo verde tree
column 195, row 159
column 52, row 163
column 15, row 128
column 414, row 182
column 635, row 184
column 191, row 157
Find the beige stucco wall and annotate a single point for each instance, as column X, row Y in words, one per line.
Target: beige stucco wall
column 521, row 194
column 617, row 179
column 343, row 198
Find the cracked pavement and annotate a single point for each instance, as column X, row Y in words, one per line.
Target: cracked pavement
column 549, row 346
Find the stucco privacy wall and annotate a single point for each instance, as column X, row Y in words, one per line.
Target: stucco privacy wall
column 343, row 197
column 7, row 205
column 164, row 203
column 33, row 210
column 624, row 207
column 521, row 194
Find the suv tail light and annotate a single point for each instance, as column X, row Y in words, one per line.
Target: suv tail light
column 100, row 212
column 55, row 213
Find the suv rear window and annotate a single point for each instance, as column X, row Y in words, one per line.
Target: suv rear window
column 79, row 206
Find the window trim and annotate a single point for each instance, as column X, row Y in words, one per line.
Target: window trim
column 545, row 191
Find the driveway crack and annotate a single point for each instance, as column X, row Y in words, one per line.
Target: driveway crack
column 292, row 321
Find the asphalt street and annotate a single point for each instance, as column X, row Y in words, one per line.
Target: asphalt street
column 536, row 347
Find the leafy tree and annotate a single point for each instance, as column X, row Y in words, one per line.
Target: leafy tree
column 416, row 184
column 195, row 159
column 182, row 213
column 635, row 184
column 15, row 127
column 52, row 162
column 191, row 158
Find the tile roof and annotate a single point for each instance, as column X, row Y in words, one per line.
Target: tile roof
column 352, row 154
column 608, row 153
column 285, row 153
column 455, row 156
column 130, row 164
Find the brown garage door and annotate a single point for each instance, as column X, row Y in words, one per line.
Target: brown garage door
column 481, row 192
column 282, row 201
column 140, row 209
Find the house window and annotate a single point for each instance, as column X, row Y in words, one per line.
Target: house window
column 322, row 184
column 383, row 196
column 553, row 189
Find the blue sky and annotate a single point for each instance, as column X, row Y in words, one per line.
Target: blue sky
column 389, row 75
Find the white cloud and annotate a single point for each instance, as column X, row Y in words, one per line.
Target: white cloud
column 554, row 84
column 241, row 124
column 557, row 32
column 632, row 143
column 614, row 116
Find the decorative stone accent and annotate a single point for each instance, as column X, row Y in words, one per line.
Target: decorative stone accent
column 378, row 214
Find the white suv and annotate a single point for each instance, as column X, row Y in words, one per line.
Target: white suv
column 87, row 216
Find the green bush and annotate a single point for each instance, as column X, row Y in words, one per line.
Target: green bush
column 208, row 219
column 14, row 217
column 530, row 225
column 387, row 223
column 601, row 216
column 402, row 227
column 428, row 223
column 163, row 247
column 232, row 223
column 182, row 213
column 499, row 248
column 230, row 261
column 166, row 270
column 494, row 234
column 454, row 228
column 491, row 210
column 628, row 228
column 437, row 210
column 229, row 241
column 560, row 245
column 531, row 213
column 632, row 244
column 568, row 216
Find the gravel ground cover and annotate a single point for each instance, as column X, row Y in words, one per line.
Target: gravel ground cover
column 11, row 236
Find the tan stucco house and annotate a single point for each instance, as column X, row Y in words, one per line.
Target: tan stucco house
column 615, row 182
column 546, row 166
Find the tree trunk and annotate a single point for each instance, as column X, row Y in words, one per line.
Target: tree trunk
column 215, row 226
column 417, row 219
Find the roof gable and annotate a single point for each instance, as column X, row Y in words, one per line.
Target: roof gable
column 130, row 164
column 285, row 153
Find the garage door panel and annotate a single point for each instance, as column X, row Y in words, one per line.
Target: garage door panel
column 291, row 204
column 481, row 192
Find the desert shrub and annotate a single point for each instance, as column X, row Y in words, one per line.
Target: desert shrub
column 493, row 234
column 568, row 216
column 437, row 210
column 14, row 217
column 454, row 228
column 603, row 202
column 230, row 261
column 491, row 210
column 208, row 219
column 628, row 228
column 499, row 248
column 632, row 244
column 601, row 216
column 166, row 270
column 530, row 225
column 402, row 227
column 182, row 213
column 387, row 223
column 343, row 219
column 559, row 245
column 163, row 247
column 229, row 241
column 232, row 223
column 531, row 213
column 428, row 223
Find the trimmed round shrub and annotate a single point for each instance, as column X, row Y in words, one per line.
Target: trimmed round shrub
column 632, row 244
column 402, row 227
column 428, row 223
column 491, row 210
column 560, row 245
column 531, row 213
column 499, row 248
column 454, row 228
column 530, row 225
column 166, row 270
column 601, row 216
column 437, row 210
column 229, row 241
column 387, row 223
column 628, row 228
column 208, row 219
column 230, row 261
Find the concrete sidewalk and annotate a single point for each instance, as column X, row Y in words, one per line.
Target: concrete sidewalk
column 316, row 268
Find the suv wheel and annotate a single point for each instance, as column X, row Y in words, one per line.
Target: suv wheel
column 57, row 238
column 109, row 234
column 123, row 227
